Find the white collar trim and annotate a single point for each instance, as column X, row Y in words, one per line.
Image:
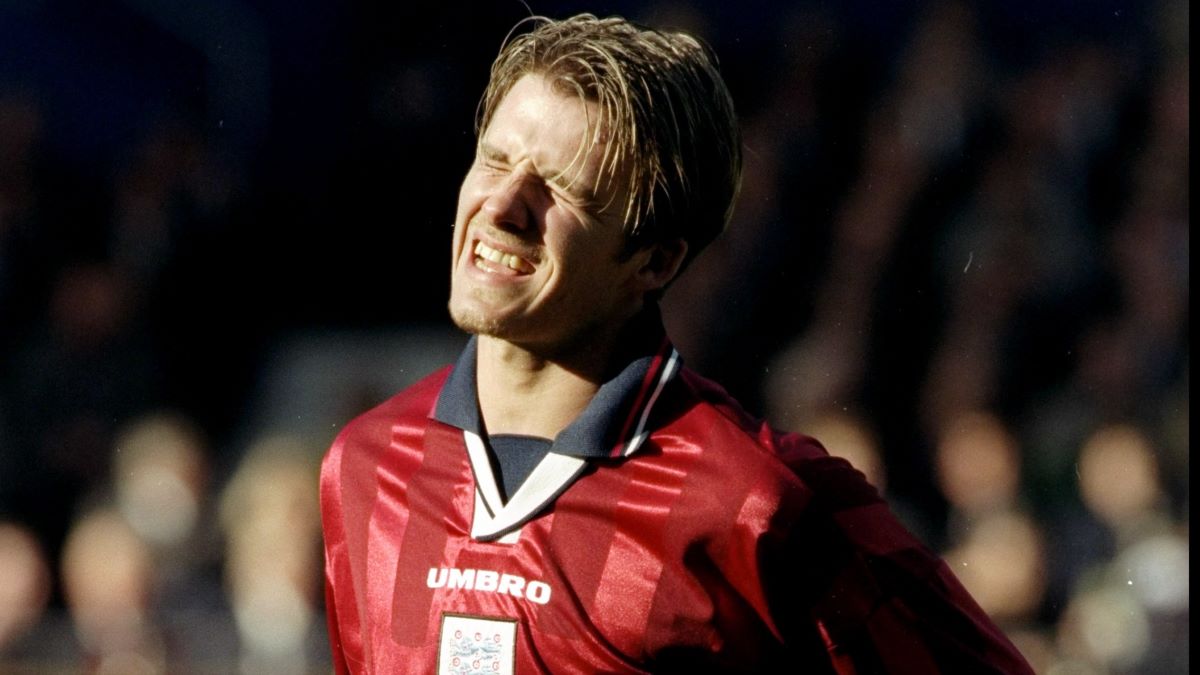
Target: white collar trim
column 495, row 518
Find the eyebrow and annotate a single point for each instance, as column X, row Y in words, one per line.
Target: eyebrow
column 579, row 190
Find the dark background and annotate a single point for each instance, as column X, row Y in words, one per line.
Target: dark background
column 189, row 191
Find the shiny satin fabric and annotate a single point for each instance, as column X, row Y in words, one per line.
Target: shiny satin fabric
column 721, row 546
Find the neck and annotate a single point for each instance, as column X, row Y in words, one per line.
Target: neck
column 521, row 392
column 534, row 393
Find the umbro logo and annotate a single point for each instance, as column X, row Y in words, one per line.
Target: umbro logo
column 488, row 581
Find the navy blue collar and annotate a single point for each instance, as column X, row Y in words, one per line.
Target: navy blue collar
column 613, row 424
column 458, row 404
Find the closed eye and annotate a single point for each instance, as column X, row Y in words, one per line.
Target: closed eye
column 495, row 161
column 492, row 165
column 574, row 197
column 490, row 157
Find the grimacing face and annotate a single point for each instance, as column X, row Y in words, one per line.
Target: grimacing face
column 536, row 256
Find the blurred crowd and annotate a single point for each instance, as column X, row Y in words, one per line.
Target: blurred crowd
column 960, row 259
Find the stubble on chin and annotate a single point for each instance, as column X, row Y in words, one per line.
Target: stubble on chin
column 474, row 322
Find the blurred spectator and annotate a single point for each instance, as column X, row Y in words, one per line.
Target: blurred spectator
column 85, row 371
column 848, row 437
column 1119, row 483
column 1000, row 561
column 1130, row 613
column 918, row 125
column 780, row 187
column 107, row 574
column 273, row 562
column 994, row 545
column 1104, row 628
column 1030, row 207
column 978, row 466
column 161, row 478
column 24, row 584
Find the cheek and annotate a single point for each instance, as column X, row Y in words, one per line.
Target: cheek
column 468, row 204
column 468, row 197
column 590, row 253
column 587, row 267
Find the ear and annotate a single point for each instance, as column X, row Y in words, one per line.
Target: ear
column 661, row 262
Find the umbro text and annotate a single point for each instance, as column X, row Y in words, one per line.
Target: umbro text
column 488, row 581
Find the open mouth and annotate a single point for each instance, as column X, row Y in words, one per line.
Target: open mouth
column 489, row 259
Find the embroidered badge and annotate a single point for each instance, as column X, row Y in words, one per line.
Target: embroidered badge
column 477, row 646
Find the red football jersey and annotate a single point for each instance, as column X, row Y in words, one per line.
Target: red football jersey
column 666, row 531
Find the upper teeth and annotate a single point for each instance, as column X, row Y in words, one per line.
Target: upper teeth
column 507, row 259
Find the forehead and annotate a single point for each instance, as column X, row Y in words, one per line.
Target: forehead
column 561, row 133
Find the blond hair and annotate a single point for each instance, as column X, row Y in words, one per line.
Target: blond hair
column 663, row 108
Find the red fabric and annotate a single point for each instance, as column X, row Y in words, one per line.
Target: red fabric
column 720, row 546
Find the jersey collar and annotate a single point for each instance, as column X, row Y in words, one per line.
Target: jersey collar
column 614, row 424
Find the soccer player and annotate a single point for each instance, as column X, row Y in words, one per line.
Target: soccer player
column 567, row 497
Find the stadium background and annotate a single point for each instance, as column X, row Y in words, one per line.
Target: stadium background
column 961, row 258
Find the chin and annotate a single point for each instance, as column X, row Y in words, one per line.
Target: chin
column 476, row 322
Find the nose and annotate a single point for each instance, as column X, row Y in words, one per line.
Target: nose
column 508, row 203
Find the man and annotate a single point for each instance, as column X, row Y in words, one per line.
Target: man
column 568, row 498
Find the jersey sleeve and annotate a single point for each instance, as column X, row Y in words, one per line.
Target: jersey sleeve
column 335, row 638
column 879, row 599
column 338, row 584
